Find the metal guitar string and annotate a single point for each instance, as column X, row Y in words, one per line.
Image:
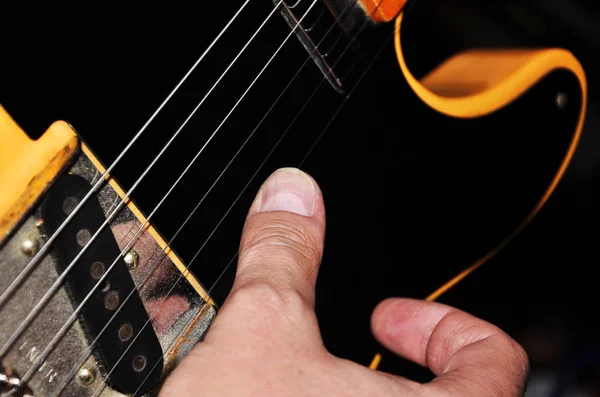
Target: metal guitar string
column 23, row 274
column 181, row 275
column 89, row 350
column 240, row 100
column 162, row 254
column 57, row 284
column 325, row 129
column 431, row 297
column 325, row 55
column 40, row 359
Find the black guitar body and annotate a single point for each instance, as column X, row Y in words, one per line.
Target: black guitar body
column 413, row 196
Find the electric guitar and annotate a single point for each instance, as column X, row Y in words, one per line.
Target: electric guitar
column 93, row 299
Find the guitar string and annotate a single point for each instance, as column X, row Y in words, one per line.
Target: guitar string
column 324, row 55
column 24, row 274
column 176, row 337
column 240, row 149
column 438, row 292
column 162, row 254
column 40, row 359
column 88, row 351
column 38, row 308
column 182, row 274
column 116, row 203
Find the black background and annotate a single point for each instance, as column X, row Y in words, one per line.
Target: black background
column 105, row 70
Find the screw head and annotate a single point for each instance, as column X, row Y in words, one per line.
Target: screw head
column 86, row 376
column 132, row 259
column 561, row 100
column 30, row 246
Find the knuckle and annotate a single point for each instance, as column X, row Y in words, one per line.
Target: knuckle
column 280, row 240
column 513, row 364
column 271, row 300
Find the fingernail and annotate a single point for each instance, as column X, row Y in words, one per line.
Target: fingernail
column 288, row 189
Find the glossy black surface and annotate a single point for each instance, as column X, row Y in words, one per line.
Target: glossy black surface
column 403, row 209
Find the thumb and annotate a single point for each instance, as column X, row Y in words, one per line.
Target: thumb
column 282, row 242
column 268, row 316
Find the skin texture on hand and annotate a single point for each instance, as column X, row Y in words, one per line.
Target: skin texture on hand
column 266, row 340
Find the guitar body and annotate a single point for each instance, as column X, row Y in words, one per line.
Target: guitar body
column 466, row 156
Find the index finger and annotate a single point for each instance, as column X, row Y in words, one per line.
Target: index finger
column 470, row 357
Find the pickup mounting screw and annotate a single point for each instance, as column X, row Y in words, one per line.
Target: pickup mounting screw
column 132, row 259
column 86, row 376
column 29, row 246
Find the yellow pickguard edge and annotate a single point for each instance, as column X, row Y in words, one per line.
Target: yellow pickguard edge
column 28, row 167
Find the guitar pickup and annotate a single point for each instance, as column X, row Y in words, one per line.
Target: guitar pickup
column 128, row 348
column 331, row 31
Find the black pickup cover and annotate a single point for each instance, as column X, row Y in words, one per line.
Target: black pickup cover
column 104, row 249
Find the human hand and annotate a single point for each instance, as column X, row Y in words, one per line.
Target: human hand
column 266, row 340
